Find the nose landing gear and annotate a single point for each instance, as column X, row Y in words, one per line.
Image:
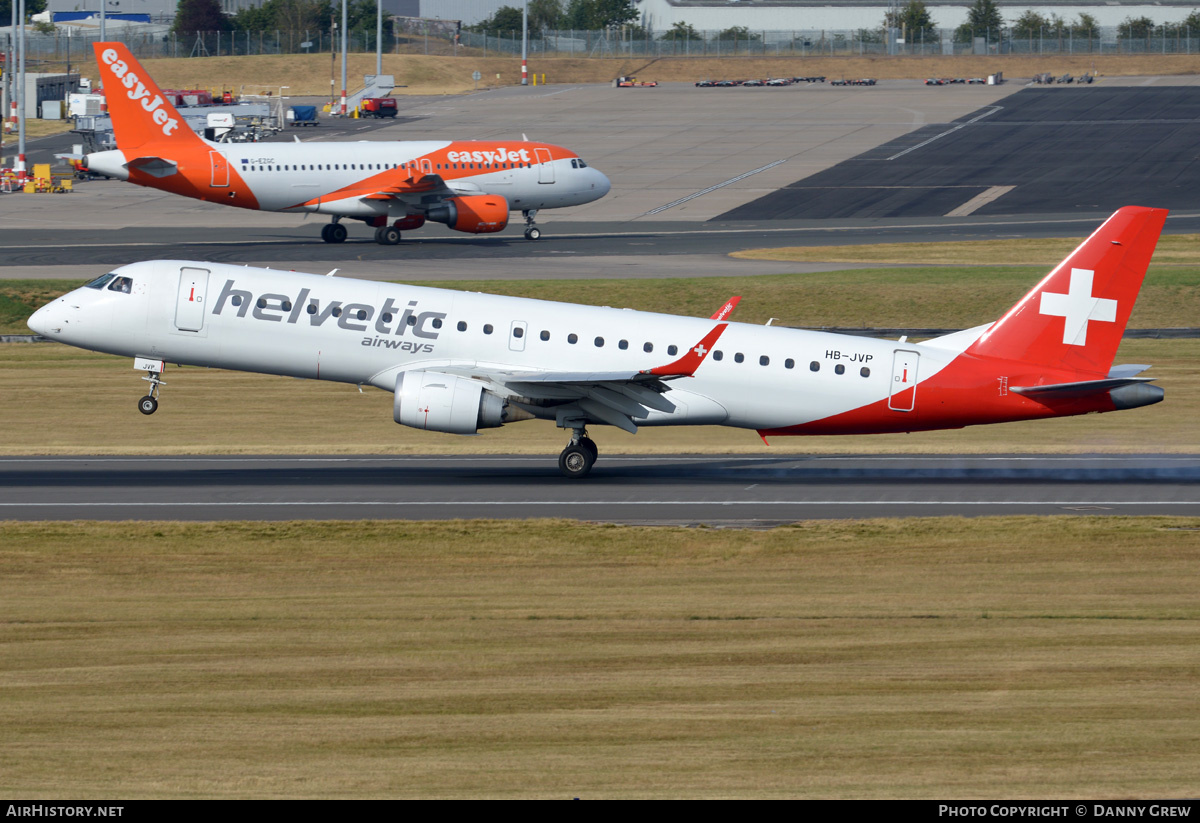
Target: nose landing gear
column 532, row 232
column 579, row 456
column 149, row 403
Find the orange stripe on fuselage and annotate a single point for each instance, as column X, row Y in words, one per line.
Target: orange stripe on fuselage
column 406, row 180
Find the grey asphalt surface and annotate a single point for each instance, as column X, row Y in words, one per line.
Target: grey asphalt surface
column 1057, row 150
column 688, row 490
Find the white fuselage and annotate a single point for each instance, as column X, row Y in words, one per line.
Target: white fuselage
column 366, row 332
column 328, row 178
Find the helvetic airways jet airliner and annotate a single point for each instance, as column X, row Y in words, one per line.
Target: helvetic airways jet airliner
column 469, row 185
column 459, row 362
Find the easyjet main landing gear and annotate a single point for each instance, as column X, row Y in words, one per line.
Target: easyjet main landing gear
column 149, row 403
column 387, row 235
column 579, row 456
column 334, row 232
column 532, row 232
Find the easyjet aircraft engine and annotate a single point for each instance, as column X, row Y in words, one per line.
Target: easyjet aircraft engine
column 477, row 214
column 469, row 185
column 462, row 361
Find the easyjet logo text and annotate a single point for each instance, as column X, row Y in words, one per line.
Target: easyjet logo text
column 498, row 156
column 136, row 91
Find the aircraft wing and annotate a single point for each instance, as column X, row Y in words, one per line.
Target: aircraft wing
column 614, row 397
column 414, row 189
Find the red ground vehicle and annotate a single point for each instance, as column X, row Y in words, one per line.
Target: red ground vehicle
column 378, row 107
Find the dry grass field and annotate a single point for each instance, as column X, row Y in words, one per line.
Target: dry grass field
column 308, row 75
column 983, row 658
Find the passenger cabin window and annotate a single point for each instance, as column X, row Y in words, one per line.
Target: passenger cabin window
column 789, row 363
column 518, row 331
column 864, row 371
column 122, row 284
column 718, row 355
column 648, row 347
column 487, row 328
column 100, row 282
column 572, row 339
column 545, row 335
column 814, row 366
column 839, row 369
column 672, row 350
column 462, row 326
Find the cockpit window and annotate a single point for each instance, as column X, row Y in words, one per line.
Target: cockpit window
column 100, row 282
column 122, row 284
column 582, row 164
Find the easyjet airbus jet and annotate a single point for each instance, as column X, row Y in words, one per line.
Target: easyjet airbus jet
column 460, row 361
column 471, row 186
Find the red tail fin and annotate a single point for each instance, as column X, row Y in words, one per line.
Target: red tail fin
column 140, row 113
column 1075, row 317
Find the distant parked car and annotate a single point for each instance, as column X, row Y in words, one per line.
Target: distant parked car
column 814, row 79
column 977, row 81
column 754, row 83
column 779, row 81
column 705, row 84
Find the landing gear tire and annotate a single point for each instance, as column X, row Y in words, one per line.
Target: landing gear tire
column 334, row 233
column 576, row 461
column 532, row 232
column 589, row 444
column 387, row 236
column 147, row 405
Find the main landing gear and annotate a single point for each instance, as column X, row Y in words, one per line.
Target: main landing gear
column 579, row 456
column 387, row 235
column 532, row 232
column 149, row 403
column 335, row 232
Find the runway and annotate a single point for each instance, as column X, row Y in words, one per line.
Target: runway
column 712, row 490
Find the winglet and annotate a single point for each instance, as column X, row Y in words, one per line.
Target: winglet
column 686, row 366
column 727, row 309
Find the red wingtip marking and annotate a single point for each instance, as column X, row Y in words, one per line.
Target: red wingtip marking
column 686, row 366
column 763, row 436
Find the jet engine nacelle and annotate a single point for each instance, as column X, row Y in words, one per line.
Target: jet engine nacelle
column 446, row 403
column 476, row 213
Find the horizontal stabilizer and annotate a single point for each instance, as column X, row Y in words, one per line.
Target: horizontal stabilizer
column 1080, row 389
column 153, row 166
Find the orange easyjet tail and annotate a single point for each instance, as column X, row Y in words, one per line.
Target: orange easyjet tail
column 140, row 113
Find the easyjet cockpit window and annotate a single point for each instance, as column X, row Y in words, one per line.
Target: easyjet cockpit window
column 100, row 282
column 582, row 164
column 122, row 284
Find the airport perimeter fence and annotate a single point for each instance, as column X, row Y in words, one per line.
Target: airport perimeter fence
column 59, row 47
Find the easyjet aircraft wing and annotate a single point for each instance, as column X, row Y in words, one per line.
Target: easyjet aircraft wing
column 471, row 186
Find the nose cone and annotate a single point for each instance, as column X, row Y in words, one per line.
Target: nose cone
column 40, row 321
column 600, row 183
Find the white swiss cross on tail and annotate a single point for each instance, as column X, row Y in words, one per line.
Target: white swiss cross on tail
column 1077, row 307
